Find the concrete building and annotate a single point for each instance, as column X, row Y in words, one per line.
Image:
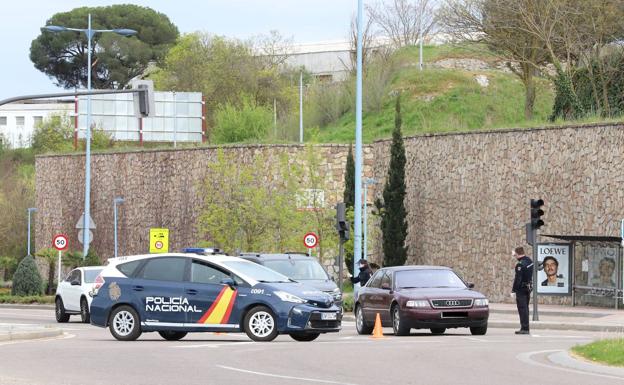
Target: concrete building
column 18, row 120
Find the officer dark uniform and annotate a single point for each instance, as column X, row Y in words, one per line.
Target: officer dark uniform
column 522, row 286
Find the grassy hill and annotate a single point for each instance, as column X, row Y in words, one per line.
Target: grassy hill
column 445, row 100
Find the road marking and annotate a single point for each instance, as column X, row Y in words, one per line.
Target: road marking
column 526, row 358
column 281, row 376
column 557, row 336
column 229, row 343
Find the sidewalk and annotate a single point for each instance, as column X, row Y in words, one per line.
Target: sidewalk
column 12, row 332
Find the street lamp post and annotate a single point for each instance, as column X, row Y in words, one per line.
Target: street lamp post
column 367, row 182
column 118, row 200
column 357, row 226
column 30, row 210
column 87, row 203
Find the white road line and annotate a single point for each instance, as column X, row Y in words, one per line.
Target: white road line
column 281, row 376
column 557, row 336
column 526, row 358
column 229, row 343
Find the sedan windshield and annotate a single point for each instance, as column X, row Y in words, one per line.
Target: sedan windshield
column 255, row 271
column 297, row 269
column 428, row 278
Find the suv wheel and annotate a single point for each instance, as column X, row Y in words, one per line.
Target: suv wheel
column 84, row 311
column 124, row 324
column 398, row 324
column 59, row 311
column 360, row 322
column 260, row 324
column 172, row 335
column 304, row 337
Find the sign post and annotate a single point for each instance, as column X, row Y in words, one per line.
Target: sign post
column 60, row 243
column 159, row 241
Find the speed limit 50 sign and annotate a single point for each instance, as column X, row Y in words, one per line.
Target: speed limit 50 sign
column 60, row 242
column 310, row 240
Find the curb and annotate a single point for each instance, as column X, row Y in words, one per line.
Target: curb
column 553, row 313
column 567, row 360
column 558, row 326
column 30, row 335
column 24, row 306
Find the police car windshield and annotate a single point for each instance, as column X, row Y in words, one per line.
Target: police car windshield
column 428, row 278
column 255, row 271
column 297, row 269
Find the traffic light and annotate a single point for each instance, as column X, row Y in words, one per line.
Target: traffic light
column 144, row 105
column 536, row 213
column 341, row 222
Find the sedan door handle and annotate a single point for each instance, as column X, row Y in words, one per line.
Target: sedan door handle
column 191, row 291
column 137, row 288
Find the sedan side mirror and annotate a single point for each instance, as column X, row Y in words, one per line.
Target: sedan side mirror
column 75, row 282
column 385, row 286
column 228, row 281
column 470, row 285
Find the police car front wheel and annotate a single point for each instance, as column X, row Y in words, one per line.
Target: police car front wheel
column 260, row 324
column 125, row 324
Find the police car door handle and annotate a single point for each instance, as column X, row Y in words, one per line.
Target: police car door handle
column 191, row 291
column 137, row 288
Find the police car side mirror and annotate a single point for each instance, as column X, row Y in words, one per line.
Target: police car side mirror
column 228, row 281
column 470, row 285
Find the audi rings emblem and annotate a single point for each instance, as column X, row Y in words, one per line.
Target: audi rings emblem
column 452, row 302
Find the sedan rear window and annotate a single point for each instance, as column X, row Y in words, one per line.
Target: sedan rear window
column 428, row 278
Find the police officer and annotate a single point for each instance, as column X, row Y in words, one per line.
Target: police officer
column 522, row 286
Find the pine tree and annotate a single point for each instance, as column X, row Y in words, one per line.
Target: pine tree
column 393, row 215
column 27, row 280
column 349, row 200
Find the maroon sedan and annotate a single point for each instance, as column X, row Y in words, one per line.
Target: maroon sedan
column 420, row 297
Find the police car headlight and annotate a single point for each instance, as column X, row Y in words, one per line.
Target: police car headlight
column 481, row 302
column 418, row 303
column 287, row 297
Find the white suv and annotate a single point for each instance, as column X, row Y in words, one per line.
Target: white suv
column 72, row 294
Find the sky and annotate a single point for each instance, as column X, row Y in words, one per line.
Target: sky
column 303, row 20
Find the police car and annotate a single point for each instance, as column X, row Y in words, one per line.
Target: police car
column 177, row 293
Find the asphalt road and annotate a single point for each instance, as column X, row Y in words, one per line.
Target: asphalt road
column 89, row 355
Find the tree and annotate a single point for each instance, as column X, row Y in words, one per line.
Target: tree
column 349, row 201
column 50, row 257
column 498, row 25
column 250, row 207
column 27, row 280
column 273, row 48
column 115, row 59
column 403, row 21
column 393, row 213
column 53, row 134
column 249, row 122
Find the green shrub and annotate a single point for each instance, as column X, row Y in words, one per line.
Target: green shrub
column 26, row 280
column 347, row 302
column 27, row 299
column 239, row 124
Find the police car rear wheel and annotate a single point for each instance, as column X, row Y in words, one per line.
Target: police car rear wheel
column 124, row 324
column 59, row 311
column 360, row 322
column 170, row 335
column 260, row 325
column 304, row 337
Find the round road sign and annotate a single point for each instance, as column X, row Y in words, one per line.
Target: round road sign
column 310, row 240
column 158, row 245
column 60, row 242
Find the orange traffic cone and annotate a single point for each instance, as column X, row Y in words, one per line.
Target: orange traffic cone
column 377, row 330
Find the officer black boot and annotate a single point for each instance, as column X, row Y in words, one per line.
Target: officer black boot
column 522, row 331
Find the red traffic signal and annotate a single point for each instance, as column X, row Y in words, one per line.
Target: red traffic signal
column 536, row 213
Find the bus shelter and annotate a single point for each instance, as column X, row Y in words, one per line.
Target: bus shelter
column 588, row 268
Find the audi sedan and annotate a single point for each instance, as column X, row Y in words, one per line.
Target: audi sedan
column 420, row 297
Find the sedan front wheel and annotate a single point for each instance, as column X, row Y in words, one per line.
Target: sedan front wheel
column 398, row 323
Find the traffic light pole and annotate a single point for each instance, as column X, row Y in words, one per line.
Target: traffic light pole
column 535, row 266
column 340, row 263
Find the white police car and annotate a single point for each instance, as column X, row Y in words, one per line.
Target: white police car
column 177, row 293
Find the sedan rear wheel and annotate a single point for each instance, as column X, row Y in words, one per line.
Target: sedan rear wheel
column 398, row 324
column 360, row 322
